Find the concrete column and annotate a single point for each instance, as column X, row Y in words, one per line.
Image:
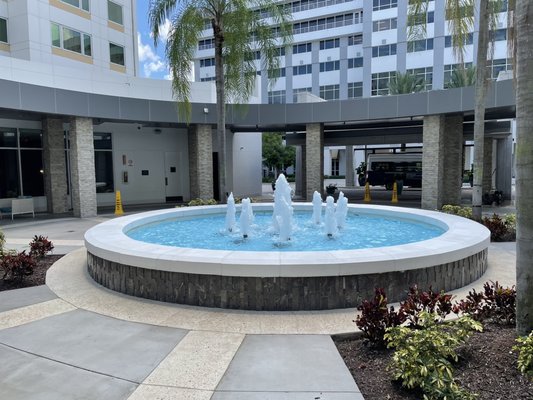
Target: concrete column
column 350, row 173
column 314, row 159
column 82, row 170
column 488, row 168
column 504, row 166
column 55, row 166
column 442, row 161
column 201, row 162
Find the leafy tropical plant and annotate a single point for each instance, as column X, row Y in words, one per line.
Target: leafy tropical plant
column 465, row 212
column 376, row 317
column 2, row 242
column 501, row 229
column 17, row 265
column 525, row 354
column 424, row 357
column 419, row 301
column 239, row 31
column 202, row 202
column 40, row 246
column 406, row 83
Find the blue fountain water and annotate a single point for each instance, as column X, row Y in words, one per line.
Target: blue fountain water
column 360, row 232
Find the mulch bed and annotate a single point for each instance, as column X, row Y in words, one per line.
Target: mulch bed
column 37, row 278
column 487, row 366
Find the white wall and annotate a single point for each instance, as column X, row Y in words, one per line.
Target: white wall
column 247, row 164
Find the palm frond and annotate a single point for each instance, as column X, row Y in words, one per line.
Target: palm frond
column 462, row 77
column 406, row 83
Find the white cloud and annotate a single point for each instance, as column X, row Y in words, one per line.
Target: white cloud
column 151, row 62
column 164, row 30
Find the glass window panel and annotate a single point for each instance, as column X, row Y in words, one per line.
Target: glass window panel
column 32, row 172
column 8, row 138
column 116, row 54
column 85, row 5
column 114, row 12
column 75, row 3
column 71, row 40
column 9, row 176
column 87, row 45
column 102, row 141
column 3, row 30
column 56, row 37
column 103, row 168
column 31, row 139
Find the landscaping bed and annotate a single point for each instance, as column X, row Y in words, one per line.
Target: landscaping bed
column 35, row 279
column 487, row 366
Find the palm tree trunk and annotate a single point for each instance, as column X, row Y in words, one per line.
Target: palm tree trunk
column 479, row 108
column 524, row 166
column 221, row 110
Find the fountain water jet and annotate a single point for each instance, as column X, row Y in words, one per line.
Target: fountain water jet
column 285, row 221
column 246, row 217
column 317, row 208
column 230, row 214
column 330, row 222
column 341, row 211
column 282, row 192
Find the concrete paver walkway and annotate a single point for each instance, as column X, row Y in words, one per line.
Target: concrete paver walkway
column 74, row 339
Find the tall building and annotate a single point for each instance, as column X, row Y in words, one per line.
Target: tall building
column 351, row 48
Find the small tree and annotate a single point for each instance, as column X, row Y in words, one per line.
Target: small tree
column 406, row 83
column 462, row 77
column 277, row 155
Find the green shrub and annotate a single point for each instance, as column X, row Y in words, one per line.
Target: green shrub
column 17, row 266
column 438, row 303
column 201, row 202
column 465, row 212
column 376, row 317
column 40, row 246
column 525, row 355
column 496, row 304
column 423, row 357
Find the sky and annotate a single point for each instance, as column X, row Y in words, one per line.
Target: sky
column 152, row 61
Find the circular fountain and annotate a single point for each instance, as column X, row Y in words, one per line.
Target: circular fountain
column 279, row 278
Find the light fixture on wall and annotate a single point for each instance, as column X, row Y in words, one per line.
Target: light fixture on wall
column 206, row 110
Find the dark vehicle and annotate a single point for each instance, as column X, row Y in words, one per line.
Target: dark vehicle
column 384, row 169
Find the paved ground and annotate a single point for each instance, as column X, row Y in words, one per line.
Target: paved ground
column 73, row 339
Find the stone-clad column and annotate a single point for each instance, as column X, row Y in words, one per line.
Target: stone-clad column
column 487, row 166
column 350, row 175
column 82, row 170
column 441, row 161
column 201, row 162
column 55, row 166
column 314, row 159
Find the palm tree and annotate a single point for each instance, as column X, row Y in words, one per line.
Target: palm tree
column 462, row 77
column 240, row 29
column 524, row 166
column 460, row 16
column 406, row 83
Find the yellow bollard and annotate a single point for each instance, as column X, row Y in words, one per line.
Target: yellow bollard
column 395, row 193
column 118, row 204
column 367, row 193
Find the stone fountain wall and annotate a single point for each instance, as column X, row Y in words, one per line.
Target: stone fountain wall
column 280, row 293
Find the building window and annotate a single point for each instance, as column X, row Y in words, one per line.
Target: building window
column 103, row 162
column 208, row 79
column 355, row 39
column 276, row 97
column 302, row 69
column 114, row 12
column 3, row 30
column 384, row 4
column 207, row 62
column 420, row 45
column 469, row 39
column 384, row 24
column 279, row 52
column 116, row 54
column 421, row 19
column 497, row 35
column 448, row 70
column 380, row 83
column 355, row 89
column 500, row 65
column 334, row 166
column 71, row 40
column 296, row 92
column 385, row 50
column 305, row 5
column 83, row 4
column 424, row 73
column 206, row 44
column 355, row 62
column 329, row 44
column 335, row 21
column 329, row 66
column 21, row 163
column 329, row 92
column 276, row 73
column 301, row 48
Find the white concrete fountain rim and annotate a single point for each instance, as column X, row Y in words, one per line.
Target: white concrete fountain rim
column 463, row 238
